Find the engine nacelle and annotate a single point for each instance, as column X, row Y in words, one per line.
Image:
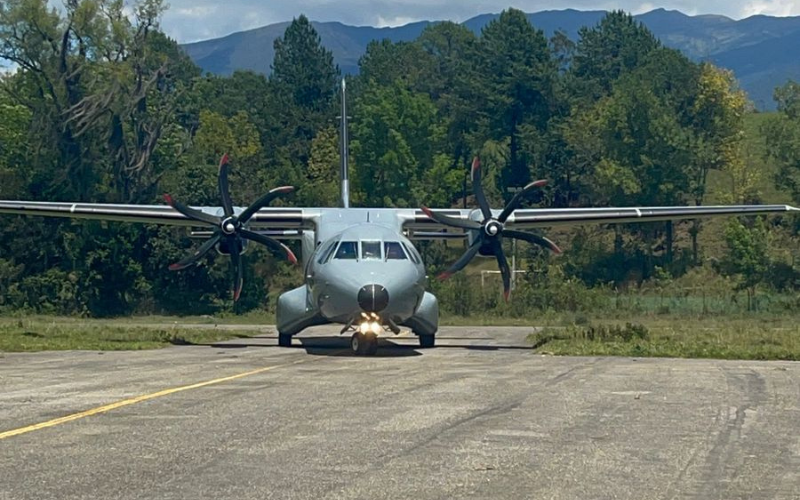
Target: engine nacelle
column 224, row 248
column 485, row 250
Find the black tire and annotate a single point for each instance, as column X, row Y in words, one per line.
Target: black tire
column 427, row 341
column 364, row 344
column 284, row 340
column 372, row 344
column 358, row 343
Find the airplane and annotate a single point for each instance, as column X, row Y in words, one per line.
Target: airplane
column 361, row 268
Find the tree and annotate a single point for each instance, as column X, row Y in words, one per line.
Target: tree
column 747, row 256
column 102, row 90
column 386, row 62
column 604, row 53
column 304, row 82
column 396, row 135
column 15, row 123
column 450, row 84
column 303, row 69
column 514, row 89
column 783, row 139
column 323, row 168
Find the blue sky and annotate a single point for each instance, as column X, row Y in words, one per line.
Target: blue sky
column 191, row 20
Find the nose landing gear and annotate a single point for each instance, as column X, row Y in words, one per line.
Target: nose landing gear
column 364, row 344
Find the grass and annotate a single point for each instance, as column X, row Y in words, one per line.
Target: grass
column 53, row 334
column 763, row 338
column 726, row 336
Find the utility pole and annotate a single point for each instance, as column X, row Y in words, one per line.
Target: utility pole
column 343, row 149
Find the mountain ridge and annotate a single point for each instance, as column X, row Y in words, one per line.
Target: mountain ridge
column 754, row 48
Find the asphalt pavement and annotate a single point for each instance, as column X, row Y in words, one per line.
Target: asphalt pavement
column 481, row 416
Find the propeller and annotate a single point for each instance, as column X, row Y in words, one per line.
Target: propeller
column 230, row 228
column 490, row 232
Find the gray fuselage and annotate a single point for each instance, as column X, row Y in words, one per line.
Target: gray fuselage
column 359, row 264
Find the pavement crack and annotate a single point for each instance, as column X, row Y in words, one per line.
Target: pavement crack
column 454, row 425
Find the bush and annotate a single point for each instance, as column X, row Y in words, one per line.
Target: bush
column 616, row 333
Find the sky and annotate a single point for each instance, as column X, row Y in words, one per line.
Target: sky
column 192, row 20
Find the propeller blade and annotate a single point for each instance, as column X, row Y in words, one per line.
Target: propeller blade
column 505, row 271
column 450, row 221
column 478, row 188
column 224, row 188
column 517, row 199
column 463, row 260
column 197, row 255
column 236, row 264
column 191, row 213
column 534, row 239
column 263, row 202
column 271, row 243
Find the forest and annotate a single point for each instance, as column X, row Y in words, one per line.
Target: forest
column 102, row 106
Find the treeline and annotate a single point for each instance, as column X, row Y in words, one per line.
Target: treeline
column 103, row 107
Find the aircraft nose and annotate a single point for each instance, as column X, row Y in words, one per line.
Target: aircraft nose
column 373, row 298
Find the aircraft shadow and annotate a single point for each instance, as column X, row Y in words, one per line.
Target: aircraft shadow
column 339, row 346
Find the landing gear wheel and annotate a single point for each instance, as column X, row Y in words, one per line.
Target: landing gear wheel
column 372, row 344
column 284, row 340
column 427, row 340
column 364, row 344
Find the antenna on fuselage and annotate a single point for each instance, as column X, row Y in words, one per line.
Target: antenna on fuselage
column 343, row 149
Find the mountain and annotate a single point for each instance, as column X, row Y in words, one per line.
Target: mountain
column 253, row 49
column 757, row 49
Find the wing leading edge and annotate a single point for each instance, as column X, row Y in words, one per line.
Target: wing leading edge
column 536, row 218
column 277, row 218
column 414, row 220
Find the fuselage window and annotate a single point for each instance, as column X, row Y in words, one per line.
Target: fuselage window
column 325, row 255
column 412, row 253
column 348, row 250
column 371, row 250
column 393, row 251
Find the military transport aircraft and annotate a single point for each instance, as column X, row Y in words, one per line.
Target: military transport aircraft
column 361, row 268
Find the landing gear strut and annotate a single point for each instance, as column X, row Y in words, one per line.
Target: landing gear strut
column 364, row 344
column 284, row 340
column 427, row 340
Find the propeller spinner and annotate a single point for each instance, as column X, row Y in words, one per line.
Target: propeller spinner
column 230, row 228
column 491, row 231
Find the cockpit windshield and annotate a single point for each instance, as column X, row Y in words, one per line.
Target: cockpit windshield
column 366, row 250
column 393, row 251
column 370, row 250
column 348, row 250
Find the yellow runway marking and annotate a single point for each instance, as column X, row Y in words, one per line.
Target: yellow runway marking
column 137, row 399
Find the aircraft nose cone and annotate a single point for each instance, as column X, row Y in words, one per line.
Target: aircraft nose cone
column 373, row 298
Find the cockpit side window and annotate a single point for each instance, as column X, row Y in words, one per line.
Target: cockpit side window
column 393, row 251
column 348, row 250
column 325, row 255
column 412, row 253
column 370, row 250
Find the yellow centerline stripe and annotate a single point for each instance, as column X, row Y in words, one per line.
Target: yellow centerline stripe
column 138, row 399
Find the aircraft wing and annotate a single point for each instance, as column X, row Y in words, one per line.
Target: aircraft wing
column 280, row 220
column 266, row 218
column 533, row 218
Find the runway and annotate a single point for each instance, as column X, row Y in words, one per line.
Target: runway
column 481, row 416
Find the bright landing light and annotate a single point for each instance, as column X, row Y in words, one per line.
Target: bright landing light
column 370, row 327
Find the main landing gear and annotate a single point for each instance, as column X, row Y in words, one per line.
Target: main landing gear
column 364, row 344
column 427, row 341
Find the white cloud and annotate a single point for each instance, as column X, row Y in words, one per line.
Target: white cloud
column 641, row 9
column 201, row 12
column 771, row 8
column 391, row 22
